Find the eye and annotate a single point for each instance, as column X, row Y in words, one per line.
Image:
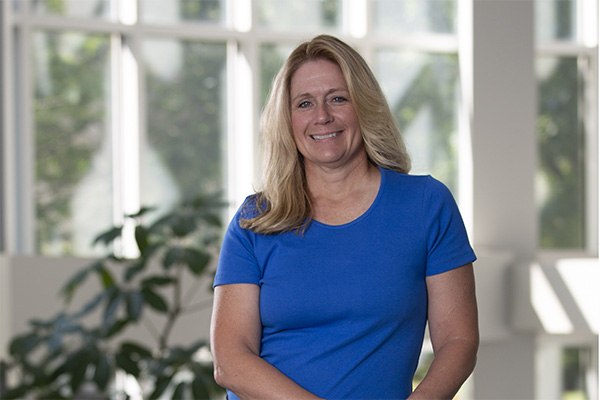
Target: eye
column 339, row 99
column 304, row 104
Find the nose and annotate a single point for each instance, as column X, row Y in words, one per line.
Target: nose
column 323, row 114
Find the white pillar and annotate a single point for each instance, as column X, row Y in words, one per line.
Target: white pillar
column 504, row 163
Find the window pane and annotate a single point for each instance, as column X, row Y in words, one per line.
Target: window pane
column 173, row 11
column 73, row 8
column 414, row 16
column 272, row 58
column 184, row 153
column 555, row 20
column 422, row 90
column 73, row 172
column 298, row 15
column 576, row 373
column 560, row 183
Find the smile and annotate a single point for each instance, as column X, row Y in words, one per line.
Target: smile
column 325, row 136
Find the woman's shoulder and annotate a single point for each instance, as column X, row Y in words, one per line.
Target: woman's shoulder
column 252, row 206
column 409, row 179
column 426, row 184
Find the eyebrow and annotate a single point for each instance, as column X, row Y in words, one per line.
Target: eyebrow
column 305, row 94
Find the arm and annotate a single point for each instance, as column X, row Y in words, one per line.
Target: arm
column 235, row 340
column 452, row 315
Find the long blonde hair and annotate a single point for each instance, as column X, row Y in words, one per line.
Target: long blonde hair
column 284, row 203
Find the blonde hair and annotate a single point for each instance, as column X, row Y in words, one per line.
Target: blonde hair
column 284, row 203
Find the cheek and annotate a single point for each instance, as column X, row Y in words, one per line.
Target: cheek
column 297, row 127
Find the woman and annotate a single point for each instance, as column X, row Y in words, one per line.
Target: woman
column 328, row 276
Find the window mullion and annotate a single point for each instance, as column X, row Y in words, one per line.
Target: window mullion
column 240, row 122
column 25, row 143
column 125, row 136
column 590, row 118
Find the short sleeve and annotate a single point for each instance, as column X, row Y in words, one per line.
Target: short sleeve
column 237, row 262
column 448, row 245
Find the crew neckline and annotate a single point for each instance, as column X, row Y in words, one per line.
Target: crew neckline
column 382, row 182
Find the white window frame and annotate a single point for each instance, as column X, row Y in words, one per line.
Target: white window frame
column 584, row 46
column 243, row 39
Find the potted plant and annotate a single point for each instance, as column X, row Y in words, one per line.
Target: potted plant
column 66, row 355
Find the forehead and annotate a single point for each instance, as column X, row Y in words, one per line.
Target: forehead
column 317, row 74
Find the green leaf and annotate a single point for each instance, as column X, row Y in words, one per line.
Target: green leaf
column 141, row 212
column 157, row 280
column 53, row 394
column 162, row 383
column 141, row 238
column 106, row 278
column 131, row 348
column 213, row 219
column 155, row 300
column 196, row 261
column 173, row 256
column 111, row 308
column 183, row 225
column 91, row 305
column 23, row 344
column 179, row 355
column 134, row 269
column 127, row 364
column 179, row 391
column 18, row 392
column 115, row 328
column 68, row 290
column 76, row 366
column 200, row 388
column 108, row 236
column 102, row 372
column 135, row 304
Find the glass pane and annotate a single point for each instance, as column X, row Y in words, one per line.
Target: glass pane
column 422, row 90
column 272, row 58
column 73, row 172
column 298, row 15
column 173, row 11
column 560, row 183
column 555, row 20
column 73, row 8
column 576, row 373
column 414, row 16
column 186, row 87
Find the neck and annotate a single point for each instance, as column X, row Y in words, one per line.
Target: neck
column 335, row 183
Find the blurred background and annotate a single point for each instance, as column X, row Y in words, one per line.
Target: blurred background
column 109, row 105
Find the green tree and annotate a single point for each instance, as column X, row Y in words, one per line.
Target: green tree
column 561, row 140
column 186, row 116
column 69, row 113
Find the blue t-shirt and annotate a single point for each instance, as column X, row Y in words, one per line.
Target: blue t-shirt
column 343, row 308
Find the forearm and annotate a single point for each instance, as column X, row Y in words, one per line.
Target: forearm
column 451, row 366
column 251, row 377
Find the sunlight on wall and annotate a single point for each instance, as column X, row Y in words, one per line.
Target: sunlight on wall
column 546, row 303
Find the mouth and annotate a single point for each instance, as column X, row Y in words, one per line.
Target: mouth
column 324, row 136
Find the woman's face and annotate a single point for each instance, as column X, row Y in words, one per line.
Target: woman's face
column 324, row 122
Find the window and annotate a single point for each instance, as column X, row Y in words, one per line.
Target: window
column 73, row 171
column 119, row 116
column 566, row 128
column 129, row 103
column 577, row 373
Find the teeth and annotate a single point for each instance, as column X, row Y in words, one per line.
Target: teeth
column 321, row 137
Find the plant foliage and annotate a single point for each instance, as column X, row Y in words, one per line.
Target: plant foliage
column 61, row 356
